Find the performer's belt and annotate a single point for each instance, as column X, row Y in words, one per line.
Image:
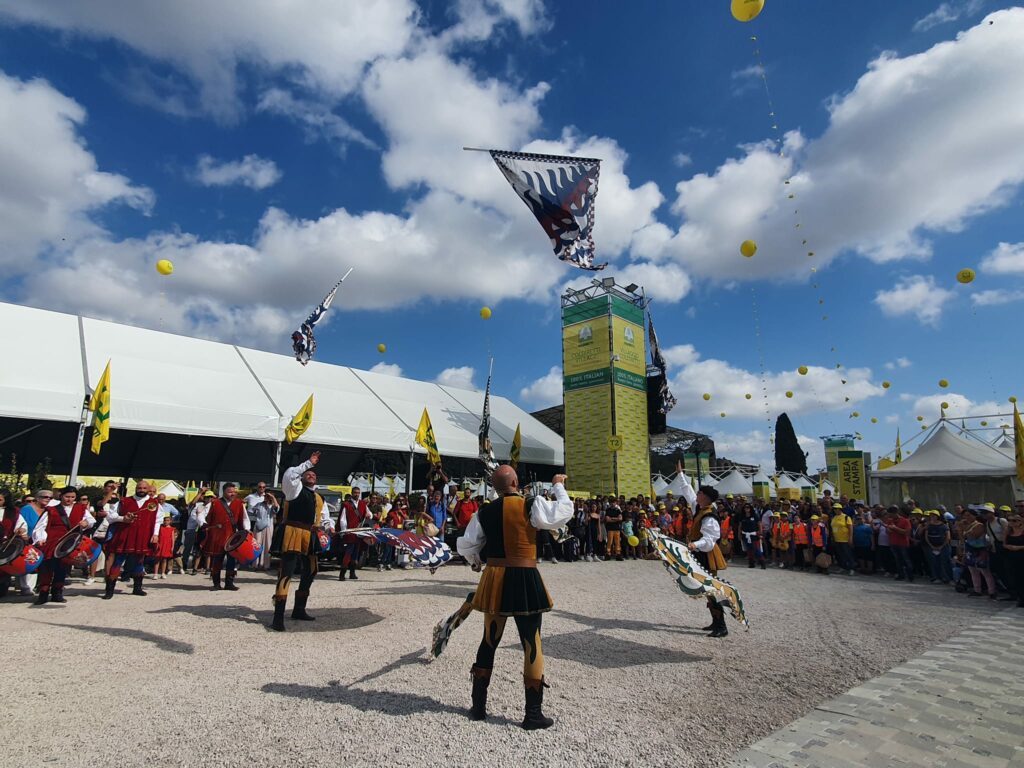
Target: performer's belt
column 297, row 524
column 513, row 562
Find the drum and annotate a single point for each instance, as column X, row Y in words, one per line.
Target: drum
column 242, row 546
column 76, row 550
column 325, row 541
column 18, row 557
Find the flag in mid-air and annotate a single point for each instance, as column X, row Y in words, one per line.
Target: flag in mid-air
column 303, row 340
column 300, row 422
column 561, row 193
column 1018, row 443
column 666, row 400
column 486, row 452
column 425, row 437
column 99, row 404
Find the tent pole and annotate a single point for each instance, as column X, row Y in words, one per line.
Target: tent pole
column 277, row 464
column 408, row 477
column 82, row 423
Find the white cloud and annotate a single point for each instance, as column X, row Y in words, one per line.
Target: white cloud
column 325, row 45
column 388, row 369
column 917, row 295
column 477, row 19
column 545, row 391
column 251, row 171
column 460, row 378
column 747, row 78
column 680, row 355
column 681, row 160
column 870, row 183
column 755, row 447
column 317, row 118
column 892, row 418
column 995, row 297
column 51, row 183
column 947, row 12
column 1006, row 259
column 899, row 362
column 820, row 390
column 959, row 405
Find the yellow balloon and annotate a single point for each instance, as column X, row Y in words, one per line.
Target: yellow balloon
column 789, row 394
column 886, row 385
column 943, row 383
column 874, row 420
column 164, row 267
column 485, row 313
column 924, row 426
column 965, row 276
column 722, row 414
column 748, row 395
column 984, row 423
column 944, row 406
column 1013, row 399
column 802, row 370
column 746, row 10
column 856, row 414
column 382, row 348
column 633, row 541
column 706, row 395
column 920, row 418
column 748, row 247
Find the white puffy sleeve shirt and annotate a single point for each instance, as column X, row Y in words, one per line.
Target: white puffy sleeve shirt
column 710, row 532
column 545, row 515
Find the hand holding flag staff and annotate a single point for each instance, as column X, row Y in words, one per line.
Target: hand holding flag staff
column 303, row 341
column 561, row 192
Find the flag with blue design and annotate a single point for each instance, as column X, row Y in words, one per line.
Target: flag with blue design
column 666, row 400
column 561, row 192
column 486, row 451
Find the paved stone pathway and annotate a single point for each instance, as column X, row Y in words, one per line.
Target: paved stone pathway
column 960, row 705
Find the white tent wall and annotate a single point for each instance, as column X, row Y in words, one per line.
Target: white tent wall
column 735, row 483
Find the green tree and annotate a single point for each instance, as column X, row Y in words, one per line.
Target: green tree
column 789, row 457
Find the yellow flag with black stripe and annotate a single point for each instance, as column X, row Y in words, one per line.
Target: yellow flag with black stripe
column 300, row 422
column 99, row 404
column 517, row 446
column 425, row 437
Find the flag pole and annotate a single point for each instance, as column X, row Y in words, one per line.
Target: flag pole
column 277, row 464
column 83, row 422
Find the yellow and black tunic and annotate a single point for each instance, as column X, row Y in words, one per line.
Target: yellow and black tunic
column 301, row 520
column 510, row 584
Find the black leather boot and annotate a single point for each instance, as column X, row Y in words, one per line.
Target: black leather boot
column 481, row 679
column 108, row 591
column 137, row 587
column 352, row 573
column 57, row 596
column 535, row 718
column 341, row 575
column 43, row 598
column 720, row 629
column 229, row 582
column 216, row 581
column 299, row 610
column 278, row 623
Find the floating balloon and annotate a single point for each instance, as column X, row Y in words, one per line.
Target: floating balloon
column 789, row 394
column 855, row 414
column 722, row 414
column 802, row 370
column 984, row 423
column 886, row 384
column 943, row 383
column 746, row 10
column 920, row 418
column 633, row 541
column 382, row 348
column 485, row 313
column 748, row 248
column 1012, row 399
column 164, row 267
column 748, row 395
column 944, row 406
column 924, row 426
column 706, row 395
column 874, row 420
column 965, row 276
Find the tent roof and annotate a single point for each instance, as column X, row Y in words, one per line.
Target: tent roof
column 169, row 384
column 760, row 477
column 734, row 482
column 785, row 481
column 944, row 454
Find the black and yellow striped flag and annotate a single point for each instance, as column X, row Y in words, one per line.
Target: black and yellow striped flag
column 517, row 446
column 99, row 404
column 300, row 422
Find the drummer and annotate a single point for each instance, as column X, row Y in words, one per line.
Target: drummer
column 12, row 525
column 54, row 524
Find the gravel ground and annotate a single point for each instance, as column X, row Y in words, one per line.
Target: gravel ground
column 191, row 677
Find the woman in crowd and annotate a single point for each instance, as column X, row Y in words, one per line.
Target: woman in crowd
column 864, row 543
column 1013, row 551
column 750, row 534
column 977, row 554
column 935, row 542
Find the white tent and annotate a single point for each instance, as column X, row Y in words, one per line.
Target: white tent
column 676, row 486
column 658, row 485
column 735, row 483
column 761, row 477
column 171, row 490
column 826, row 485
column 786, row 481
column 1003, row 442
column 168, row 385
column 950, row 469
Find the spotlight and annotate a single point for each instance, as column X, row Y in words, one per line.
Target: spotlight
column 607, row 282
column 631, row 287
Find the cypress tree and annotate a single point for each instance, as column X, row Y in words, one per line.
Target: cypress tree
column 789, row 457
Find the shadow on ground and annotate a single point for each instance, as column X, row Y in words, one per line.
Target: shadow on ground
column 122, row 633
column 601, row 651
column 327, row 619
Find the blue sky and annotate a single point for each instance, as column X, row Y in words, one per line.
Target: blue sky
column 266, row 150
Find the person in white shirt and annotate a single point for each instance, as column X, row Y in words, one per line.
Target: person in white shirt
column 305, row 513
column 505, row 530
column 702, row 540
column 263, row 513
column 56, row 522
column 255, row 498
column 12, row 526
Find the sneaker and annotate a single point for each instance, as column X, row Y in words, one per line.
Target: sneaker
column 380, row 569
column 850, row 572
column 90, row 580
column 387, row 567
column 554, row 561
